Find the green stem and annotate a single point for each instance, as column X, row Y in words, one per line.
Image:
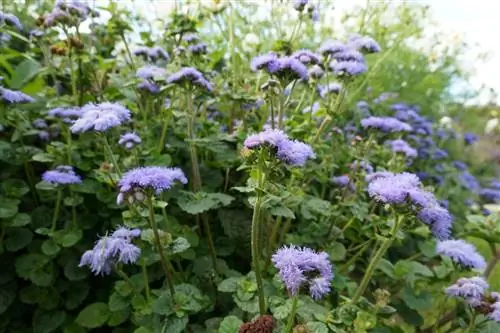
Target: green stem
column 355, row 257
column 56, row 210
column 111, row 155
column 73, row 210
column 69, row 147
column 127, row 48
column 163, row 136
column 291, row 318
column 127, row 280
column 159, row 247
column 376, row 259
column 146, row 280
column 472, row 323
column 256, row 233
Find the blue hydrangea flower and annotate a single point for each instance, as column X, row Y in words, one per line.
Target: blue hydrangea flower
column 68, row 115
column 401, row 146
column 461, row 252
column 200, row 48
column 385, row 124
column 129, row 140
column 15, row 97
column 495, row 184
column 109, row 250
column 150, row 72
column 190, row 75
column 100, row 117
column 61, row 175
column 304, row 267
column 307, row 57
column 136, row 182
column 331, row 47
column 470, row 289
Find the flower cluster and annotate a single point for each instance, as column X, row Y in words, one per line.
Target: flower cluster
column 470, row 289
column 462, row 253
column 14, row 97
column 290, row 68
column 291, row 152
column 109, row 250
column 129, row 140
column 100, row 117
column 401, row 146
column 68, row 114
column 385, row 124
column 68, row 12
column 152, row 53
column 304, row 267
column 136, row 183
column 189, row 75
column 62, row 175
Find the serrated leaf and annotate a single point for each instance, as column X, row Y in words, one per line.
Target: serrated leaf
column 117, row 302
column 78, row 294
column 8, row 207
column 15, row 187
column 71, row 238
column 94, row 315
column 7, row 296
column 46, row 322
column 175, row 325
column 201, row 202
column 17, row 239
column 230, row 324
column 118, row 317
column 50, row 247
column 421, row 301
column 229, row 285
column 179, row 245
column 336, row 251
column 20, row 220
column 317, row 327
column 281, row 211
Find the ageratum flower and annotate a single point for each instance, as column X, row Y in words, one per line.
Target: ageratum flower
column 129, row 140
column 190, row 37
column 495, row 307
column 341, row 181
column 40, row 123
column 331, row 47
column 109, row 250
column 157, row 52
column 470, row 138
column 469, row 181
column 200, row 48
column 100, row 117
column 393, row 188
column 136, row 182
column 401, row 146
column 68, row 115
column 439, row 154
column 332, row 87
column 314, row 13
column 150, row 72
column 273, row 138
column 461, row 252
column 263, row 61
column 349, row 54
column 495, row 184
column 192, row 76
column 11, row 19
column 311, row 109
column 304, row 267
column 316, row 72
column 490, row 194
column 379, row 174
column 15, row 97
column 148, row 86
column 361, row 165
column 366, row 44
column 459, row 165
column 299, row 5
column 61, row 175
column 438, row 219
column 307, row 57
column 385, row 124
column 141, row 51
column 348, row 68
column 471, row 289
column 288, row 67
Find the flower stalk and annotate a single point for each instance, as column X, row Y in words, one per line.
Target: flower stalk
column 291, row 318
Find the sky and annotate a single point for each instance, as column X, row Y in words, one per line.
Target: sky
column 475, row 21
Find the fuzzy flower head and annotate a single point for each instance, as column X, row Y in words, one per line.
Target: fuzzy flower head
column 470, row 289
column 100, row 117
column 393, row 188
column 461, row 252
column 136, row 182
column 299, row 5
column 307, row 57
column 129, row 140
column 401, row 146
column 263, row 61
column 348, row 68
column 189, row 75
column 150, row 72
column 11, row 20
column 148, row 87
column 199, row 48
column 157, row 52
column 61, row 175
column 271, row 137
column 68, row 115
column 438, row 219
column 331, row 47
column 365, row 44
column 304, row 267
column 14, row 97
column 385, row 124
column 110, row 250
column 330, row 88
column 290, row 68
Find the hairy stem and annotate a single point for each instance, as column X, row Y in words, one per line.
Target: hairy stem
column 111, row 155
column 291, row 318
column 146, row 281
column 55, row 217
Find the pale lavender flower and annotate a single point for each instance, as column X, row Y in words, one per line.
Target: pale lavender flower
column 190, row 75
column 295, row 153
column 332, row 87
column 299, row 5
column 190, row 37
column 469, row 181
column 150, row 72
column 200, row 48
column 438, row 219
column 461, row 252
column 401, row 146
column 11, row 19
column 109, row 250
column 495, row 307
column 471, row 289
column 259, row 62
column 271, row 137
column 304, row 267
column 67, row 114
column 348, row 68
column 349, row 54
column 129, row 140
column 100, row 117
column 495, row 184
column 39, row 123
column 314, row 13
column 341, row 181
column 393, row 189
column 361, row 165
column 331, row 47
column 490, row 194
column 385, row 124
column 307, row 57
column 366, row 44
column 148, row 86
column 462, row 166
column 61, row 175
column 136, row 182
column 157, row 52
column 316, row 72
column 289, row 67
column 311, row 109
column 15, row 97
column 379, row 174
column 141, row 51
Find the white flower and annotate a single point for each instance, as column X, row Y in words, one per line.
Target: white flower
column 250, row 41
column 491, row 125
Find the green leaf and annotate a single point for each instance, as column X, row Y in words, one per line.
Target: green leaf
column 94, row 315
column 24, row 72
column 281, row 312
column 17, row 239
column 176, row 325
column 73, row 272
column 196, row 203
column 79, row 292
column 386, row 266
column 336, row 251
column 71, row 238
column 73, row 201
column 43, row 157
column 15, row 187
column 281, row 211
column 143, row 330
column 421, row 301
column 50, row 247
column 230, row 324
column 317, row 327
column 117, row 302
column 118, row 317
column 163, row 305
column 7, row 296
column 45, row 322
column 180, row 244
column 229, row 285
column 20, row 220
column 8, row 207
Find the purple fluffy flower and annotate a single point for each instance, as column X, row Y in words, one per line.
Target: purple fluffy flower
column 471, row 289
column 289, row 66
column 469, row 181
column 332, row 87
column 490, row 194
column 379, row 174
column 341, row 181
column 348, row 55
column 393, row 188
column 385, row 124
column 470, row 138
column 313, row 108
column 299, row 267
column 61, row 175
column 366, row 44
column 39, row 123
column 129, row 140
column 316, row 72
column 495, row 184
column 295, row 153
column 262, row 61
column 157, row 52
column 135, row 182
column 150, row 72
column 12, row 20
column 401, row 146
column 109, row 250
column 495, row 307
column 190, row 75
column 200, row 48
column 348, row 68
column 438, row 219
column 100, row 117
column 68, row 115
column 299, row 5
column 460, row 165
column 15, row 97
column 314, row 13
column 148, row 86
column 190, row 37
column 362, row 165
column 331, row 47
column 461, row 252
column 141, row 51
column 271, row 137
column 307, row 57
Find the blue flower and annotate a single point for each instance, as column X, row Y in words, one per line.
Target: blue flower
column 385, row 124
column 273, row 138
column 299, row 5
column 316, row 72
column 461, row 252
column 332, row 87
column 61, row 175
column 460, row 165
column 490, row 194
column 15, row 97
column 304, row 267
column 11, row 20
column 148, row 86
column 129, row 140
column 136, row 182
column 190, row 37
column 401, row 146
column 307, row 57
column 150, row 72
column 470, row 138
column 39, row 123
column 100, row 117
column 259, row 62
column 366, row 44
column 67, row 114
column 438, row 219
column 190, row 75
column 393, row 188
column 471, row 289
column 289, row 67
column 157, row 52
column 349, row 54
column 348, row 68
column 200, row 48
column 495, row 307
column 331, row 47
